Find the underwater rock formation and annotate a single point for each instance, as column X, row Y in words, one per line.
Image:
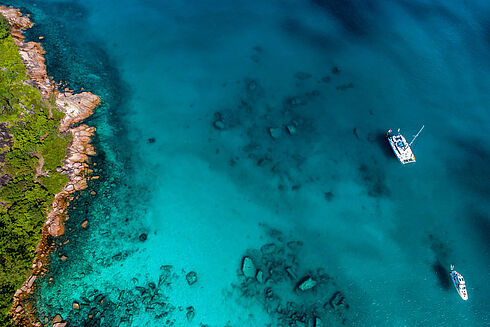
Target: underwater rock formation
column 248, row 268
column 191, row 277
column 269, row 276
column 76, row 108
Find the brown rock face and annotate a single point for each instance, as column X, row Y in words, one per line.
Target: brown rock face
column 57, row 318
column 17, row 21
column 31, row 52
column 76, row 108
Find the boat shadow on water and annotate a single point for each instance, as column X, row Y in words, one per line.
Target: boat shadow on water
column 380, row 140
column 442, row 275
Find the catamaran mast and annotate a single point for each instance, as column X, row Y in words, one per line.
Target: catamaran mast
column 416, row 135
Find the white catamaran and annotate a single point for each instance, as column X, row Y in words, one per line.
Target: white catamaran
column 400, row 146
column 459, row 283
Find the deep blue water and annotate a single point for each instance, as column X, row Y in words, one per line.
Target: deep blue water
column 177, row 191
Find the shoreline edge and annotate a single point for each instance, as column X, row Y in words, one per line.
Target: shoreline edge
column 76, row 107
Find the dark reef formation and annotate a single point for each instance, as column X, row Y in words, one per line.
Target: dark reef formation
column 294, row 295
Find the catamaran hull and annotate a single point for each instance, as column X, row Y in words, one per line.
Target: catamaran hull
column 454, row 278
column 404, row 154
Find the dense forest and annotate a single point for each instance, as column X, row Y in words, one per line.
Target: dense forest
column 31, row 149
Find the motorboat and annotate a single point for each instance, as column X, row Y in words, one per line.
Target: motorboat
column 401, row 147
column 459, row 283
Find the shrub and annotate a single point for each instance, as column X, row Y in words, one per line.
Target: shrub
column 4, row 27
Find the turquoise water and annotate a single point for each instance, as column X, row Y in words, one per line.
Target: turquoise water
column 191, row 179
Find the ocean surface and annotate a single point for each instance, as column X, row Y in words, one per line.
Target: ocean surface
column 257, row 128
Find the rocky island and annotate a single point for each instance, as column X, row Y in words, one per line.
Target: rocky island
column 43, row 161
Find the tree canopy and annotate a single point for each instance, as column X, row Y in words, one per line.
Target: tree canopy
column 26, row 198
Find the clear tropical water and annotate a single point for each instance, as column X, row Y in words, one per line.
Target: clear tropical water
column 192, row 180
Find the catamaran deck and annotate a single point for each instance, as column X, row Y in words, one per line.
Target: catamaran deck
column 401, row 148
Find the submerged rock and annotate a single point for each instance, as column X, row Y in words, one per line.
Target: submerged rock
column 291, row 273
column 151, row 140
column 143, row 237
column 260, row 276
column 190, row 314
column 344, row 87
column 307, row 283
column 336, row 300
column 191, row 278
column 164, row 277
column 268, row 249
column 335, row 70
column 252, row 85
column 275, row 132
column 296, row 101
column 300, row 323
column 219, row 124
column 248, row 268
column 329, row 196
column 354, row 131
column 294, row 245
column 263, row 161
column 291, row 129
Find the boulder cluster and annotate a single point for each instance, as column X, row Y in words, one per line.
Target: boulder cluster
column 279, row 134
column 293, row 295
column 117, row 306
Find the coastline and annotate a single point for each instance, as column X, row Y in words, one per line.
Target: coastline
column 76, row 108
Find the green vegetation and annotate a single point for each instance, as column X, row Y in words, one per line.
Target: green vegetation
column 26, row 199
column 4, row 27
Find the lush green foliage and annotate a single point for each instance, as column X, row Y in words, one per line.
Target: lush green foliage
column 26, row 199
column 4, row 27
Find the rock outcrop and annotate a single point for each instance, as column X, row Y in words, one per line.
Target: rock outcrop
column 76, row 108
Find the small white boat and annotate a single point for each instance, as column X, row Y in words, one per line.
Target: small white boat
column 459, row 283
column 401, row 147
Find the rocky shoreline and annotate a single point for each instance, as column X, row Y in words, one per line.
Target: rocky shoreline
column 76, row 108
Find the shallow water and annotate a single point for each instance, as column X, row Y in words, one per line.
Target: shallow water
column 177, row 191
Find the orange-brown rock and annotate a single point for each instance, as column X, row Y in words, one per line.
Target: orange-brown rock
column 57, row 318
column 17, row 22
column 30, row 52
column 76, row 108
